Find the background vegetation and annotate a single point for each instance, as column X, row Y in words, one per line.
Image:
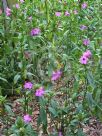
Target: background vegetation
column 29, row 55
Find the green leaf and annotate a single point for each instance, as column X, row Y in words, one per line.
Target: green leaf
column 79, row 108
column 19, row 122
column 42, row 102
column 54, row 104
column 30, row 131
column 80, row 132
column 98, row 96
column 30, row 74
column 53, row 111
column 90, row 99
column 3, row 79
column 39, row 121
column 16, row 78
column 91, row 79
column 43, row 116
column 20, row 65
column 9, row 110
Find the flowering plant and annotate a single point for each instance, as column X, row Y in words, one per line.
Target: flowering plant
column 51, row 56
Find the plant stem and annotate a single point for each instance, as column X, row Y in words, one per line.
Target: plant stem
column 25, row 103
column 86, row 84
column 47, row 14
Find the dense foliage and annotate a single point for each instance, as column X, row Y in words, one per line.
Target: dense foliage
column 51, row 53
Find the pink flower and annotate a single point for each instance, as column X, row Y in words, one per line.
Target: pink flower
column 8, row 11
column 27, row 54
column 83, row 60
column 86, row 42
column 75, row 12
column 56, row 75
column 28, row 85
column 40, row 92
column 17, row 6
column 30, row 18
column 67, row 13
column 35, row 31
column 60, row 133
column 84, row 5
column 27, row 118
column 87, row 54
column 58, row 14
column 85, row 57
column 0, row 11
column 21, row 1
column 83, row 27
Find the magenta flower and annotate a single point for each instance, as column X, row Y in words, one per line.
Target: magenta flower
column 35, row 31
column 60, row 133
column 27, row 118
column 67, row 13
column 75, row 12
column 28, row 85
column 40, row 92
column 87, row 54
column 0, row 11
column 84, row 5
column 56, row 75
column 8, row 11
column 21, row 1
column 83, row 27
column 27, row 54
column 83, row 60
column 17, row 6
column 86, row 42
column 58, row 14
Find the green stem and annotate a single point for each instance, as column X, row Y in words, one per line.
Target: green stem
column 47, row 14
column 86, row 84
column 25, row 103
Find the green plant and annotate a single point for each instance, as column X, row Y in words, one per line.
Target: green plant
column 57, row 46
column 22, row 129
